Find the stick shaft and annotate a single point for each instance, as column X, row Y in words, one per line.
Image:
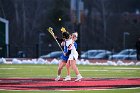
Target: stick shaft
column 51, row 32
column 59, row 45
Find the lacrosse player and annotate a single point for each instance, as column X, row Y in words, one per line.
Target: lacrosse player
column 73, row 56
column 64, row 57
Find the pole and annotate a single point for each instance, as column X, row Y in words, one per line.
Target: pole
column 78, row 25
column 124, row 39
column 104, row 20
column 40, row 43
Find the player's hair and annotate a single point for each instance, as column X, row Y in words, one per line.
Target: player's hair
column 65, row 35
column 75, row 33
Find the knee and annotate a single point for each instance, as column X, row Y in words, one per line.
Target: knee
column 60, row 68
column 67, row 65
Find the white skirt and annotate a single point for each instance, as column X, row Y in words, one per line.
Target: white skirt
column 73, row 56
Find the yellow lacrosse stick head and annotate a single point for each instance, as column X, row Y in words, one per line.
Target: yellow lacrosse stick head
column 63, row 30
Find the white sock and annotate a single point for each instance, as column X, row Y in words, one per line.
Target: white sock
column 78, row 75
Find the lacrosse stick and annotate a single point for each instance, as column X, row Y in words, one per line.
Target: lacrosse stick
column 52, row 33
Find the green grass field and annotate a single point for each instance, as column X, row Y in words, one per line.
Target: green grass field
column 50, row 71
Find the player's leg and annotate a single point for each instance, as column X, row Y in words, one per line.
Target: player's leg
column 60, row 67
column 75, row 68
column 68, row 77
column 68, row 68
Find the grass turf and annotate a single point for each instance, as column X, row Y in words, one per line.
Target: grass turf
column 50, row 71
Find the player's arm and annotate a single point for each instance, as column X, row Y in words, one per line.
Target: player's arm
column 62, row 43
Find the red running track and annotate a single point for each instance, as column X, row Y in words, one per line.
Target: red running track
column 50, row 84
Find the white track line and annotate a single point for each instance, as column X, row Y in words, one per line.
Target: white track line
column 124, row 68
column 9, row 68
column 93, row 70
column 75, row 90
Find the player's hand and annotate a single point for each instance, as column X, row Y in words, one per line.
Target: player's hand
column 62, row 43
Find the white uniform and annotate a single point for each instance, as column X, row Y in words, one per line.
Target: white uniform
column 74, row 54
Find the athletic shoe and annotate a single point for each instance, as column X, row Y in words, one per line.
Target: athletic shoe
column 67, row 78
column 79, row 77
column 57, row 78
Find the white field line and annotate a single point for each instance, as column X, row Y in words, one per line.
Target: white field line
column 93, row 70
column 76, row 90
column 119, row 88
column 125, row 68
column 8, row 68
column 110, row 70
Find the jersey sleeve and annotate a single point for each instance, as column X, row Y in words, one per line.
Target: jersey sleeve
column 75, row 45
